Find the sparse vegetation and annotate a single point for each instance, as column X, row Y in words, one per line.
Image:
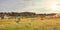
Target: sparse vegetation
column 29, row 24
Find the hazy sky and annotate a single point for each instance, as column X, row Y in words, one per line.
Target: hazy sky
column 37, row 6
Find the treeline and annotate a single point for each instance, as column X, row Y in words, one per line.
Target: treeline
column 25, row 14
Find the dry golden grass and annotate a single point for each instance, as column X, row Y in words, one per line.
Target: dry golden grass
column 30, row 22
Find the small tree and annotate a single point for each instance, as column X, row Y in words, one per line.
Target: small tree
column 17, row 19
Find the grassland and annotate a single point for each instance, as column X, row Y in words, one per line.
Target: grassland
column 30, row 24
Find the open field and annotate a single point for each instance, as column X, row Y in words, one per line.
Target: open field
column 30, row 24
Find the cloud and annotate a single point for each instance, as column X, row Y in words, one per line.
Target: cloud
column 14, row 5
column 37, row 6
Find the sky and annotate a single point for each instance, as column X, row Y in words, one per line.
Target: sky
column 37, row 6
